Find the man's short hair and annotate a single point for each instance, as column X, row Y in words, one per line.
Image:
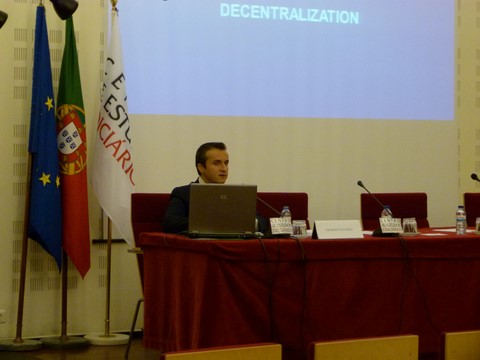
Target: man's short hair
column 201, row 155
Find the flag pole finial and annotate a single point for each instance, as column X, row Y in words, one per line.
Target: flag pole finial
column 114, row 3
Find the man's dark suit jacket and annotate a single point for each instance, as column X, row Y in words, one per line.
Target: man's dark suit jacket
column 175, row 219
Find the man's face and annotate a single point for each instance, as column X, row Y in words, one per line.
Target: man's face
column 216, row 167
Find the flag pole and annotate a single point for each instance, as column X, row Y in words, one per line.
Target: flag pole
column 63, row 336
column 109, row 272
column 64, row 341
column 20, row 344
column 108, row 338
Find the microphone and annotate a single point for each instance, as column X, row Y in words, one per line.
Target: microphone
column 269, row 206
column 377, row 232
column 475, row 177
column 3, row 18
column 359, row 183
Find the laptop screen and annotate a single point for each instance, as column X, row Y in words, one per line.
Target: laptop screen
column 222, row 209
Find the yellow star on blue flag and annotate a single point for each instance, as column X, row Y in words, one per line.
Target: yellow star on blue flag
column 45, row 179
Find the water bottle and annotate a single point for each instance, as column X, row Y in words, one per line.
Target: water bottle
column 461, row 220
column 386, row 212
column 286, row 213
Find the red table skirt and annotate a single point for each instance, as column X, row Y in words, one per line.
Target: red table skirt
column 204, row 293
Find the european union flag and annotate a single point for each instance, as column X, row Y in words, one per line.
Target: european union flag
column 45, row 215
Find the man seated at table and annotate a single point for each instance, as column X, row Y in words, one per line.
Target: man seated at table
column 211, row 161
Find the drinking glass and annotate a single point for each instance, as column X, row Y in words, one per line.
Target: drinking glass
column 410, row 226
column 299, row 227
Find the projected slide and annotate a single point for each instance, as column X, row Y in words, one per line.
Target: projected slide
column 360, row 59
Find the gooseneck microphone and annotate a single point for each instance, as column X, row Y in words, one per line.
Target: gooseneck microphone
column 359, row 183
column 377, row 232
column 475, row 177
column 269, row 206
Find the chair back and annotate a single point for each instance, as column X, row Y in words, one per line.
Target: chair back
column 462, row 345
column 263, row 351
column 147, row 212
column 296, row 201
column 403, row 205
column 472, row 207
column 400, row 347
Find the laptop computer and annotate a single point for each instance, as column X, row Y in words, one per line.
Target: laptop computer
column 221, row 211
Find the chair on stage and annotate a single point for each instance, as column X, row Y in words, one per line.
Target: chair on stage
column 270, row 204
column 462, row 345
column 472, row 207
column 147, row 210
column 400, row 347
column 403, row 205
column 262, row 351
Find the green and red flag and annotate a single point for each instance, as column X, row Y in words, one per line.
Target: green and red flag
column 72, row 147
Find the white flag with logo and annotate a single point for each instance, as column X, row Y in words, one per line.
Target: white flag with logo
column 112, row 175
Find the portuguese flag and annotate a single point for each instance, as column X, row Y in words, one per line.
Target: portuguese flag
column 72, row 147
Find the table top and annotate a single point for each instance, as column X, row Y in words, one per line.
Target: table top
column 430, row 243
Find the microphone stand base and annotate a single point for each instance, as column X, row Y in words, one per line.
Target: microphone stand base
column 378, row 233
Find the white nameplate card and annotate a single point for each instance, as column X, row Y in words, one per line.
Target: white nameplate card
column 391, row 225
column 281, row 225
column 337, row 229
